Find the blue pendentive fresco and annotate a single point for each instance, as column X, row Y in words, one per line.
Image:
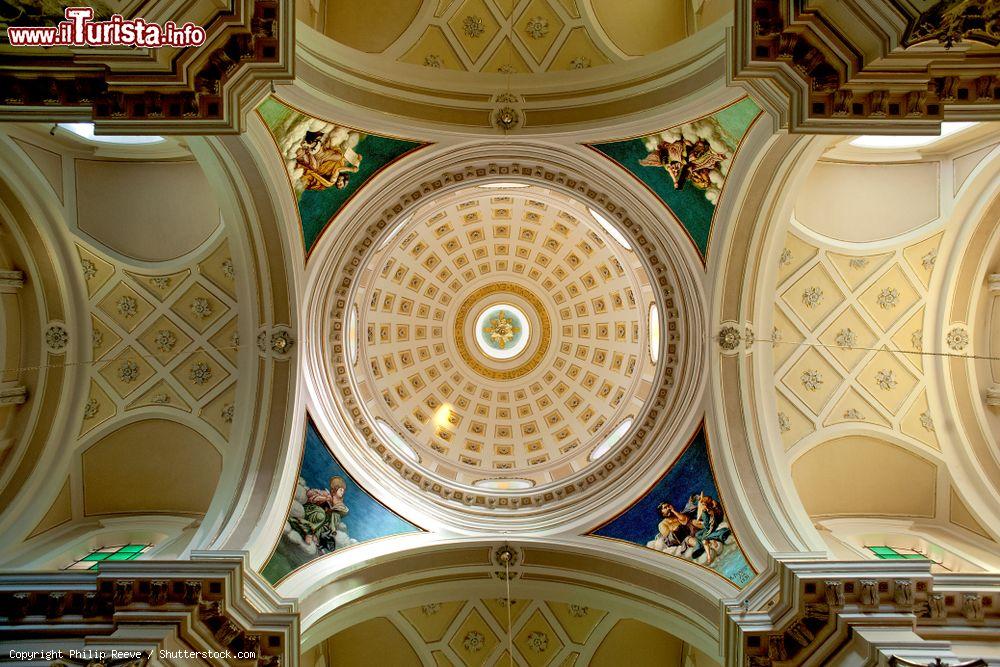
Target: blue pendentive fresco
column 686, row 165
column 329, row 512
column 683, row 516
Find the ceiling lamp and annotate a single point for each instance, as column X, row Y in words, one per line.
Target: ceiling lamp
column 86, row 131
column 886, row 141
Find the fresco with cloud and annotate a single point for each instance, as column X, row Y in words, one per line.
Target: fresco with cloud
column 329, row 512
column 326, row 163
column 686, row 165
column 683, row 516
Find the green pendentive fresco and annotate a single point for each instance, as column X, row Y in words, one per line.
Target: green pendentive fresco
column 686, row 165
column 326, row 163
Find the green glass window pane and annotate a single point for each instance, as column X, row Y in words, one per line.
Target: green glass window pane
column 94, row 566
column 97, row 555
column 134, row 556
column 882, row 550
column 915, row 556
column 119, row 556
column 130, row 548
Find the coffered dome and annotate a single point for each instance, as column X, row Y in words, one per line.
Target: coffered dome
column 501, row 335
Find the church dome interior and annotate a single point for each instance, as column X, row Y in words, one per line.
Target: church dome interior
column 475, row 333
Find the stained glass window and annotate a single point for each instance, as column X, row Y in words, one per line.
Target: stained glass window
column 890, row 553
column 101, row 554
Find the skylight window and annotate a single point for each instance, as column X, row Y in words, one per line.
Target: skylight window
column 908, row 141
column 613, row 438
column 654, row 333
column 504, row 184
column 86, row 130
column 611, row 229
column 396, row 440
column 504, row 484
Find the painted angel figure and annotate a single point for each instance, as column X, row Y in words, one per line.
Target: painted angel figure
column 685, row 161
column 325, row 164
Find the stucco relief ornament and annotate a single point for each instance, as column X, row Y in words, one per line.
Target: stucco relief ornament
column 128, row 371
column 127, row 306
column 165, row 340
column 846, row 338
column 507, row 69
column 200, row 372
column 97, row 338
column 886, row 379
column 729, row 338
column 957, row 339
column 811, row 379
column 775, row 336
column 234, row 340
column 281, row 342
column 160, row 282
column 228, row 270
column 474, row 641
column 89, row 269
column 474, row 26
column 506, row 118
column 785, row 258
column 501, row 330
column 433, row 60
column 537, row 27
column 926, row 421
column 811, row 296
column 201, row 307
column 56, row 337
column 538, row 642
column 853, row 414
column 228, row 412
column 928, row 260
column 917, row 339
column 858, row 262
column 579, row 611
column 784, row 423
column 580, row 62
column 431, row 609
column 160, row 399
column 91, row 408
column 888, row 298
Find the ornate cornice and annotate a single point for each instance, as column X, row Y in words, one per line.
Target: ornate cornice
column 804, row 610
column 198, row 92
column 214, row 602
column 844, row 68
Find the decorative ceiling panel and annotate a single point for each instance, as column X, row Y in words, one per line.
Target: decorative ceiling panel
column 450, row 301
column 847, row 330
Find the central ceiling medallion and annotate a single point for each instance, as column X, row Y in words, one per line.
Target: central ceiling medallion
column 510, row 332
column 503, row 331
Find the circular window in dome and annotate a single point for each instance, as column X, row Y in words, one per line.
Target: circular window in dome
column 504, row 331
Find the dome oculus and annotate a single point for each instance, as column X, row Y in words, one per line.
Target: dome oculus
column 503, row 331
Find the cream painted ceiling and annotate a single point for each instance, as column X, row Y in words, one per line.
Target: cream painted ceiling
column 510, row 36
column 539, row 416
column 473, row 633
